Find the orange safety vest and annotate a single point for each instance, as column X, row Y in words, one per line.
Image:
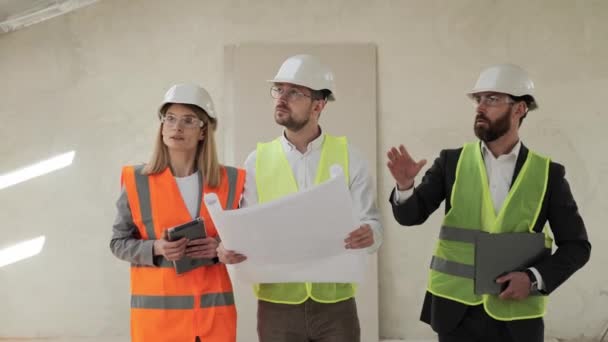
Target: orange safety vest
column 166, row 306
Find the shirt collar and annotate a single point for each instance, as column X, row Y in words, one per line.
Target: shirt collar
column 313, row 145
column 513, row 154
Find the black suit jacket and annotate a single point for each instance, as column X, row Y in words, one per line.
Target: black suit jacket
column 558, row 208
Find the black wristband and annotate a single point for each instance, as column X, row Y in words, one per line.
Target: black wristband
column 532, row 277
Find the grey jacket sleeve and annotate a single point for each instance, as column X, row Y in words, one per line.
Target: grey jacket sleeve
column 126, row 244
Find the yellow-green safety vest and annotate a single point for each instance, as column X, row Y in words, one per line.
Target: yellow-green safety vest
column 275, row 179
column 472, row 213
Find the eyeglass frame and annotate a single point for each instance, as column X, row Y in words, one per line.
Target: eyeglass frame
column 290, row 94
column 163, row 119
column 491, row 100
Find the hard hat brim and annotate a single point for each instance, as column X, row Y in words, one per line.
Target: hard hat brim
column 210, row 115
column 330, row 97
column 532, row 106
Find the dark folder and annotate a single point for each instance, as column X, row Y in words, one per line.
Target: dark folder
column 498, row 254
column 192, row 230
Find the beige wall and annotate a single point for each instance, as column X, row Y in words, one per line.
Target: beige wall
column 91, row 80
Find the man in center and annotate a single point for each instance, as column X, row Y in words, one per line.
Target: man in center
column 297, row 160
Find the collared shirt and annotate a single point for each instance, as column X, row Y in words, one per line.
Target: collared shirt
column 500, row 174
column 304, row 167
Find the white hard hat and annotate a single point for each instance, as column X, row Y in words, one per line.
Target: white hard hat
column 508, row 79
column 190, row 94
column 307, row 71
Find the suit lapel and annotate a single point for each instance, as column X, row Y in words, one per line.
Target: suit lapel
column 521, row 158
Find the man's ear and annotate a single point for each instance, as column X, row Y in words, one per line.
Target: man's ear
column 320, row 105
column 524, row 107
column 521, row 109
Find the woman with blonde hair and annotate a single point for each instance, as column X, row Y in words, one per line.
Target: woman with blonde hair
column 197, row 305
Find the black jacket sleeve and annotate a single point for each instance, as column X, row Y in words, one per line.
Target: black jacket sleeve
column 427, row 196
column 569, row 232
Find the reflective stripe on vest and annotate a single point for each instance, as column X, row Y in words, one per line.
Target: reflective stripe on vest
column 181, row 302
column 452, row 268
column 458, row 234
column 162, row 302
column 232, row 174
column 472, row 213
column 143, row 193
column 275, row 179
column 217, row 299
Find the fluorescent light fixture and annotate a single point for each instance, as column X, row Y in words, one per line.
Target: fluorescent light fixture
column 43, row 11
column 20, row 251
column 35, row 170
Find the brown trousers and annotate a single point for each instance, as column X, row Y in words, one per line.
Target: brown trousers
column 308, row 322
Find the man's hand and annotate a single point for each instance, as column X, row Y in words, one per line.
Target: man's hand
column 518, row 287
column 202, row 248
column 403, row 168
column 229, row 257
column 361, row 237
column 171, row 250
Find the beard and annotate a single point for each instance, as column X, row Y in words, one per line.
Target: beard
column 493, row 129
column 288, row 121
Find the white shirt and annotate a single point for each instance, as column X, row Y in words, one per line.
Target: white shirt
column 304, row 167
column 190, row 189
column 500, row 174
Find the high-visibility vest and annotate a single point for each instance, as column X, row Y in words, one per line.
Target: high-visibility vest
column 472, row 213
column 166, row 306
column 275, row 179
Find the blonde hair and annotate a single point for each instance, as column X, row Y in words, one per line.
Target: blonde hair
column 206, row 152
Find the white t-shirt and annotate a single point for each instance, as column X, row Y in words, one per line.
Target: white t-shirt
column 189, row 187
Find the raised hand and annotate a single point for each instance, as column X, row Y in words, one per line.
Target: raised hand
column 403, row 168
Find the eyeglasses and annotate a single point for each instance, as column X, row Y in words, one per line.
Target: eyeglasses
column 187, row 121
column 292, row 94
column 491, row 100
